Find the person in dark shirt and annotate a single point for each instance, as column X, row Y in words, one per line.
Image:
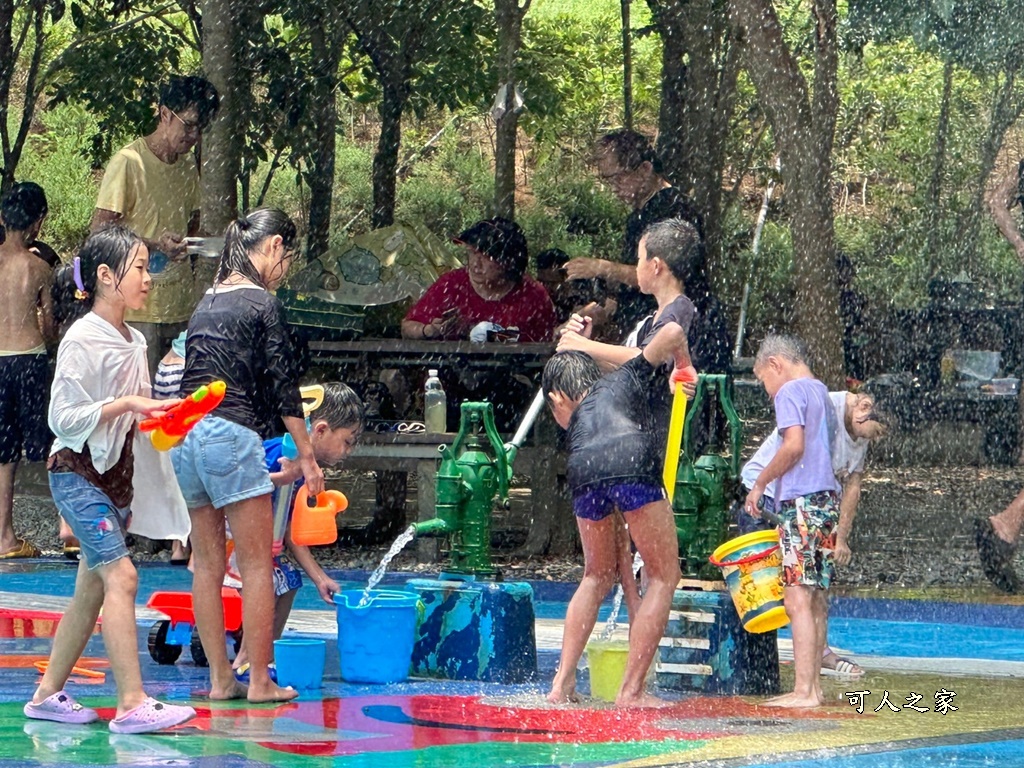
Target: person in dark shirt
column 614, row 466
column 238, row 334
column 567, row 295
column 627, row 162
column 670, row 266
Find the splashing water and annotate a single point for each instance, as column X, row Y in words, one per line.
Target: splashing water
column 378, row 573
column 613, row 617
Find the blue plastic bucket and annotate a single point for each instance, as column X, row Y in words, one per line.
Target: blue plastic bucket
column 300, row 663
column 375, row 640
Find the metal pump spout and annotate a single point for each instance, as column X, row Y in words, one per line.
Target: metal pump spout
column 433, row 527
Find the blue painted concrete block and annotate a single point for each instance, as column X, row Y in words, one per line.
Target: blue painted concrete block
column 706, row 649
column 475, row 630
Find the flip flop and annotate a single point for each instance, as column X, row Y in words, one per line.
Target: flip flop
column 24, row 549
column 841, row 668
column 72, row 552
column 151, row 715
column 996, row 557
column 60, row 708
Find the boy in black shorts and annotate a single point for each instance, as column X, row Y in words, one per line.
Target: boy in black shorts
column 615, row 464
column 26, row 326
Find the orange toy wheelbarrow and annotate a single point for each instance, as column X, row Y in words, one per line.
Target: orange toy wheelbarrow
column 168, row 636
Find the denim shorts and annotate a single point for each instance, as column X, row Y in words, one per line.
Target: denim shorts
column 220, row 462
column 98, row 525
column 596, row 502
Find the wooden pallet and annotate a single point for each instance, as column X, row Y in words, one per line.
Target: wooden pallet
column 701, row 584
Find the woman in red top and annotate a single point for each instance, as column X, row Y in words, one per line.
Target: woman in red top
column 492, row 288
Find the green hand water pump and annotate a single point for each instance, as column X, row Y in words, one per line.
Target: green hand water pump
column 703, row 486
column 474, row 475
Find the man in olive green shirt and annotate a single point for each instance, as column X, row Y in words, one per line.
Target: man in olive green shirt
column 152, row 187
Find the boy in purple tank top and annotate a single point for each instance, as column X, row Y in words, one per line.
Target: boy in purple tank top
column 807, row 502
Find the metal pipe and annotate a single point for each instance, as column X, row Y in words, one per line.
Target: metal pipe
column 527, row 423
column 755, row 249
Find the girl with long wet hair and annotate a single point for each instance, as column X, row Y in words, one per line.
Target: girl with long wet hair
column 238, row 334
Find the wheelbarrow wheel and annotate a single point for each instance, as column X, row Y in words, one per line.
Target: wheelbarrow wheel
column 159, row 650
column 198, row 653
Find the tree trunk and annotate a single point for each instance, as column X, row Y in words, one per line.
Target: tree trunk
column 385, row 160
column 804, row 127
column 934, row 194
column 1007, row 107
column 31, row 17
column 509, row 16
column 700, row 65
column 327, row 53
column 627, row 66
column 223, row 140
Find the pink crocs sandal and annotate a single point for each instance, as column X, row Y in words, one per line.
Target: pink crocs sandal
column 151, row 715
column 61, row 708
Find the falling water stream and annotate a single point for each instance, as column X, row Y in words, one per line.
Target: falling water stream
column 609, row 626
column 378, row 573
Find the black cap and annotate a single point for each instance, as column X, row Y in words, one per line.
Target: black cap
column 501, row 240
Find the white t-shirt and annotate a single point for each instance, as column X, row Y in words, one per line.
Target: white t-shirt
column 848, row 453
column 95, row 366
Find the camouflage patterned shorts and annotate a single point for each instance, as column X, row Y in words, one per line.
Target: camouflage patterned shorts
column 808, row 539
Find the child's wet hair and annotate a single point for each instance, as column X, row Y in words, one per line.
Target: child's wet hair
column 678, row 243
column 23, row 206
column 571, row 373
column 787, row 347
column 341, row 409
column 111, row 246
column 244, row 235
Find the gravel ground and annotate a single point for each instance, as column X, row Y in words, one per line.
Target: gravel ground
column 913, row 530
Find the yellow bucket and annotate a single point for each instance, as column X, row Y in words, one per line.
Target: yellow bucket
column 752, row 568
column 607, row 662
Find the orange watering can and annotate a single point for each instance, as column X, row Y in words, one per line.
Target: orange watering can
column 312, row 525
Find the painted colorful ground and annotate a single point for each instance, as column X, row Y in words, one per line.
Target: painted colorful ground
column 940, row 711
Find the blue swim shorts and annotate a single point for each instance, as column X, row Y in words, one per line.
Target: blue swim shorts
column 98, row 525
column 596, row 502
column 220, row 462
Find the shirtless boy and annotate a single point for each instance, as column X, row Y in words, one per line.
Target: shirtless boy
column 26, row 324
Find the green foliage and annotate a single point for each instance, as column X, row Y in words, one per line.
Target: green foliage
column 58, row 160
column 353, row 186
column 978, row 34
column 571, row 71
column 450, row 189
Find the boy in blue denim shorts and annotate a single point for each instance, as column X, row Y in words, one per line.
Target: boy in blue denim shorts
column 807, row 502
column 615, row 464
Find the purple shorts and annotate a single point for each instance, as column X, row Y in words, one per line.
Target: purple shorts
column 596, row 502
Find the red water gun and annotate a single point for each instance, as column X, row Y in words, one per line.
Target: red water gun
column 170, row 429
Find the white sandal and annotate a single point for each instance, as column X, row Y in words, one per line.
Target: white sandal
column 843, row 668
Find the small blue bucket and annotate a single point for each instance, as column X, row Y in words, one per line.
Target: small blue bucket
column 300, row 663
column 375, row 640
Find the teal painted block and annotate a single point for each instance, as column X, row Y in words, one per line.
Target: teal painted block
column 475, row 630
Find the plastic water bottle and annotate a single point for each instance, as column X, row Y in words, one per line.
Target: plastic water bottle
column 435, row 404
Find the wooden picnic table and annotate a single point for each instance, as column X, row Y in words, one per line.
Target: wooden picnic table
column 404, row 353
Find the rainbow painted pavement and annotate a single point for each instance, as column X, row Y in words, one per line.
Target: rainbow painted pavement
column 953, row 697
